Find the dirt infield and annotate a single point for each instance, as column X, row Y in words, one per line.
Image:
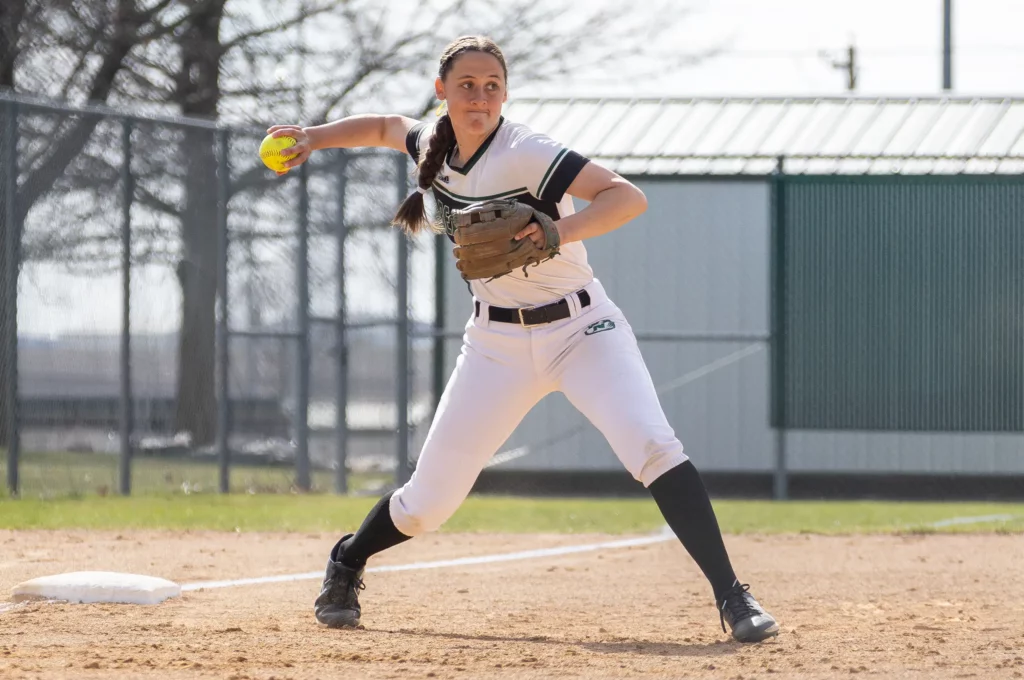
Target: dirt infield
column 903, row 606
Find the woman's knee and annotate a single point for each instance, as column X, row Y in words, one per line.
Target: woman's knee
column 659, row 458
column 413, row 516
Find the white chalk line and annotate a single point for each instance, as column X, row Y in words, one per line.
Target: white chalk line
column 980, row 519
column 665, row 535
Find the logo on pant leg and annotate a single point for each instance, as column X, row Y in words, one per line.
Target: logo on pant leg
column 605, row 325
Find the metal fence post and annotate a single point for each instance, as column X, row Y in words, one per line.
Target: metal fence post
column 302, row 475
column 9, row 324
column 780, row 485
column 402, row 472
column 341, row 339
column 223, row 332
column 441, row 244
column 127, row 419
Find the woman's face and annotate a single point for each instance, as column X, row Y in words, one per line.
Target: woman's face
column 475, row 90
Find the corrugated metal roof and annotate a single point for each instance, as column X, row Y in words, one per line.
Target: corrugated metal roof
column 846, row 135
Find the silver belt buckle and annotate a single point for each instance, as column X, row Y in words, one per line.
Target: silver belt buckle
column 522, row 322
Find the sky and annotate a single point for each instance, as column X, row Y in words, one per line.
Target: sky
column 766, row 47
column 785, row 47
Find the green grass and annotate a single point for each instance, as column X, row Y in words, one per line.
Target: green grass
column 78, row 490
column 62, row 474
column 840, row 517
column 322, row 512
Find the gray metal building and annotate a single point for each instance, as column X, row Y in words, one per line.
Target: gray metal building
column 694, row 275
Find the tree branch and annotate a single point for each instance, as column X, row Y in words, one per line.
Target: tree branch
column 196, row 9
column 147, row 198
column 282, row 25
column 50, row 169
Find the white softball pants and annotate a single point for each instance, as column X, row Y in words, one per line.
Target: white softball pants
column 503, row 371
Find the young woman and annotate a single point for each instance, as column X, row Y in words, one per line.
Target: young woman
column 551, row 328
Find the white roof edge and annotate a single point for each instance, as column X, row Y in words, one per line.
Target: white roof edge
column 781, row 98
column 929, row 133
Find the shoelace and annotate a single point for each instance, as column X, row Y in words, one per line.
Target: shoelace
column 736, row 602
column 354, row 584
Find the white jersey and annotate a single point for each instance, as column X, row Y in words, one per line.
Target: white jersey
column 514, row 162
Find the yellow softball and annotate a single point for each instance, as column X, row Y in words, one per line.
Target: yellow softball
column 270, row 152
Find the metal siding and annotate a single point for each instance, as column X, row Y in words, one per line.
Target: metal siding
column 902, row 297
column 697, row 261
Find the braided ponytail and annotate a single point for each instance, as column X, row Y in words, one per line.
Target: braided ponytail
column 412, row 214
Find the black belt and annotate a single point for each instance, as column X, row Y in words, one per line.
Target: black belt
column 535, row 316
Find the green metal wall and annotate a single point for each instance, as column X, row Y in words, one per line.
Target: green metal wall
column 898, row 303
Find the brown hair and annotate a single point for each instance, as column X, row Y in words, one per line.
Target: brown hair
column 412, row 214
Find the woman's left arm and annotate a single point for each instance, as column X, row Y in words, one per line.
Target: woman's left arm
column 613, row 202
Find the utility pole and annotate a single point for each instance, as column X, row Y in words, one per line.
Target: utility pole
column 850, row 66
column 947, row 44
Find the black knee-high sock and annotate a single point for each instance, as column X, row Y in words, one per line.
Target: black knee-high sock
column 684, row 502
column 377, row 533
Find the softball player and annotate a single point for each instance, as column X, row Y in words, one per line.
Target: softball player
column 531, row 332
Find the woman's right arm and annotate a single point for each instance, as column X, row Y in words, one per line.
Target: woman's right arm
column 363, row 130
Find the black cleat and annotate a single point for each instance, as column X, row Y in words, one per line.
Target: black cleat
column 337, row 606
column 748, row 620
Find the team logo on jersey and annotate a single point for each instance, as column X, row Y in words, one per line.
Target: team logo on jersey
column 444, row 214
column 444, row 179
column 605, row 325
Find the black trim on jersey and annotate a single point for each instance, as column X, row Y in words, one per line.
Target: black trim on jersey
column 563, row 170
column 412, row 140
column 464, row 170
column 549, row 208
column 512, row 193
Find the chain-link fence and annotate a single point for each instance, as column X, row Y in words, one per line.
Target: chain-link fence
column 176, row 318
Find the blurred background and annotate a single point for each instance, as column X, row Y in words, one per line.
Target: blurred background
column 826, row 286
